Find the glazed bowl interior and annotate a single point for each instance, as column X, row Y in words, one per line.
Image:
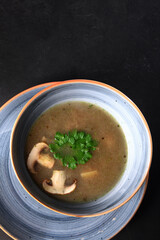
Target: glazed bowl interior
column 129, row 117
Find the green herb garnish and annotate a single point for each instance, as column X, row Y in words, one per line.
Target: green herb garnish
column 73, row 148
column 91, row 105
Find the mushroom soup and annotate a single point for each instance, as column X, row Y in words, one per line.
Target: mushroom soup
column 89, row 179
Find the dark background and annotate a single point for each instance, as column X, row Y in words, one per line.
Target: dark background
column 112, row 41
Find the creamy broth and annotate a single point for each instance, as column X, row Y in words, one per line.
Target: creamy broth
column 108, row 160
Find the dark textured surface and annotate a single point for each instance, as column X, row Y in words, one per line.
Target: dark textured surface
column 116, row 42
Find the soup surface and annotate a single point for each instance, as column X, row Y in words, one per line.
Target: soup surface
column 100, row 174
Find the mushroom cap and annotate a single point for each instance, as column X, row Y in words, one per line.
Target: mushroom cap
column 35, row 156
column 58, row 184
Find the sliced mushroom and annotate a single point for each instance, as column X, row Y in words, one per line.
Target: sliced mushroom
column 58, row 184
column 35, row 156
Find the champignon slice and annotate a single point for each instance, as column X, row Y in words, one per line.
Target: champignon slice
column 35, row 156
column 58, row 184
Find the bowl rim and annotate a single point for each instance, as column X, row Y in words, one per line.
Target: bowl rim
column 53, row 85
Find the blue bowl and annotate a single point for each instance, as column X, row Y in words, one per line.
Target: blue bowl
column 131, row 120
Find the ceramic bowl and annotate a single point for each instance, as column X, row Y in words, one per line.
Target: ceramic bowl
column 131, row 120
